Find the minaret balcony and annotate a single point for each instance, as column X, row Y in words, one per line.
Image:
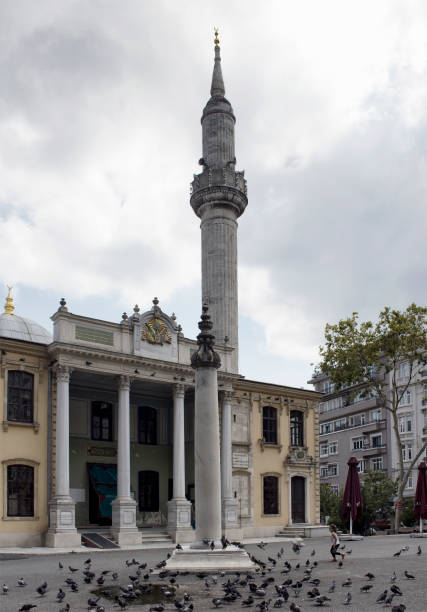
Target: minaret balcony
column 220, row 186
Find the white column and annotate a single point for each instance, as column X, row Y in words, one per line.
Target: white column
column 178, row 443
column 62, row 467
column 207, row 456
column 123, row 440
column 226, row 446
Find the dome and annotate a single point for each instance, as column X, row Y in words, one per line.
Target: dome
column 18, row 328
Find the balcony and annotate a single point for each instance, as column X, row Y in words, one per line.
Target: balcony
column 373, row 426
column 371, row 451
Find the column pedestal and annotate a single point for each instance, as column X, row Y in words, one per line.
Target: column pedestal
column 179, row 520
column 230, row 520
column 62, row 532
column 124, row 530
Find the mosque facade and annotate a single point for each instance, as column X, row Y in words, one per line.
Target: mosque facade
column 98, row 419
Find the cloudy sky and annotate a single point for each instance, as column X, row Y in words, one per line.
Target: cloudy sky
column 100, row 106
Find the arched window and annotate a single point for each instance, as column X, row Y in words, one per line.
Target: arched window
column 147, row 425
column 20, row 396
column 102, row 421
column 148, row 491
column 297, row 428
column 20, row 490
column 269, row 424
column 271, row 494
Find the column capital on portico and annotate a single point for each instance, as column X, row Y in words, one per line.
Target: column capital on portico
column 226, row 395
column 62, row 373
column 124, row 382
column 178, row 390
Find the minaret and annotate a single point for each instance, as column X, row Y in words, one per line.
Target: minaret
column 219, row 197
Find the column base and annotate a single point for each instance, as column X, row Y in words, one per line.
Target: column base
column 124, row 529
column 231, row 559
column 62, row 532
column 230, row 520
column 179, row 521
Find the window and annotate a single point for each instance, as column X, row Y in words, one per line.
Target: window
column 269, row 424
column 324, row 472
column 147, row 425
column 362, row 466
column 376, row 441
column 20, row 394
column 20, row 490
column 410, row 482
column 362, row 418
column 271, row 494
column 324, row 450
column 333, row 448
column 102, row 421
column 408, row 424
column 407, row 451
column 334, row 489
column 148, row 491
column 406, row 398
column 376, row 415
column 297, row 438
column 377, row 463
column 402, row 425
column 405, row 424
column 340, row 424
column 326, row 428
column 404, row 369
column 329, row 387
column 357, row 443
column 333, row 469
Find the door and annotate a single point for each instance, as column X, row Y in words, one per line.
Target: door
column 298, row 499
column 102, row 491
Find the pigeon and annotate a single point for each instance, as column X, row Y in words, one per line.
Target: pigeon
column 370, row 576
column 340, row 564
column 397, row 554
column 158, row 608
column 321, row 600
column 5, row 589
column 73, row 569
column 409, row 576
column 21, row 582
column 399, row 608
column 393, row 577
column 27, row 607
column 217, row 602
column 347, row 583
column 248, row 602
column 42, row 589
column 382, row 597
column 332, row 587
column 262, row 545
column 92, row 602
column 418, row 550
column 278, row 603
column 313, row 552
column 389, row 599
column 366, row 588
column 294, row 607
column 66, row 609
column 178, row 546
column 114, row 575
column 60, row 595
column 395, row 590
column 60, row 565
column 347, row 599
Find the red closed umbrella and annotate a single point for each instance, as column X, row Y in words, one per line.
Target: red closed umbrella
column 352, row 504
column 420, row 502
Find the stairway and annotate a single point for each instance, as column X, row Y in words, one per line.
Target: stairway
column 291, row 531
column 155, row 536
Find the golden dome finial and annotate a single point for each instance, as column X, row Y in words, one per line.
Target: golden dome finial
column 216, row 41
column 8, row 306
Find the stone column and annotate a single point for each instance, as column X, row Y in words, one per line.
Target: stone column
column 207, row 469
column 179, row 508
column 62, row 531
column 124, row 529
column 229, row 506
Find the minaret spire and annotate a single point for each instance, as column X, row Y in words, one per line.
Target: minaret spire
column 218, row 199
column 217, row 87
column 9, row 306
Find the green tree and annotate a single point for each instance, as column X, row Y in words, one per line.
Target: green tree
column 377, row 493
column 366, row 356
column 330, row 505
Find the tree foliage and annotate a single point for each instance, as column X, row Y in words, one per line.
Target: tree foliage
column 364, row 358
column 330, row 505
column 377, row 493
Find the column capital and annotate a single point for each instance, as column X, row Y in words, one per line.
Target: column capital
column 226, row 396
column 178, row 390
column 124, row 382
column 63, row 373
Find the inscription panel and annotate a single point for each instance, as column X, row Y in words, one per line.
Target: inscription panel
column 96, row 336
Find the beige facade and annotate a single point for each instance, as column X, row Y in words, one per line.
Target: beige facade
column 24, row 444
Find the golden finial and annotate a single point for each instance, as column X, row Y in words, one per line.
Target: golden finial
column 216, row 41
column 8, row 306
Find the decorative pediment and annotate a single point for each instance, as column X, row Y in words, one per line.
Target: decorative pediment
column 155, row 331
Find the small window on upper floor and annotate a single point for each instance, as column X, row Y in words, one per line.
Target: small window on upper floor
column 269, row 424
column 20, row 396
column 147, row 425
column 297, row 428
column 102, row 421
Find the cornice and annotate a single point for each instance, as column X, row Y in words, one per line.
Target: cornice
column 276, row 390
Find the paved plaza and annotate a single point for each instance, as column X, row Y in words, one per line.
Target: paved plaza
column 373, row 554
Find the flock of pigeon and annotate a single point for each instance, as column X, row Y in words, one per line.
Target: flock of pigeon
column 259, row 589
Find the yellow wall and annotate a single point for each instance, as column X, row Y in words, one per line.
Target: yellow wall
column 25, row 443
column 272, row 459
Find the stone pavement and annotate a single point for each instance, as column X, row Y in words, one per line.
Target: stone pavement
column 373, row 554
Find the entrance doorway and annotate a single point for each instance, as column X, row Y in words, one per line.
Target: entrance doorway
column 298, row 499
column 102, row 491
